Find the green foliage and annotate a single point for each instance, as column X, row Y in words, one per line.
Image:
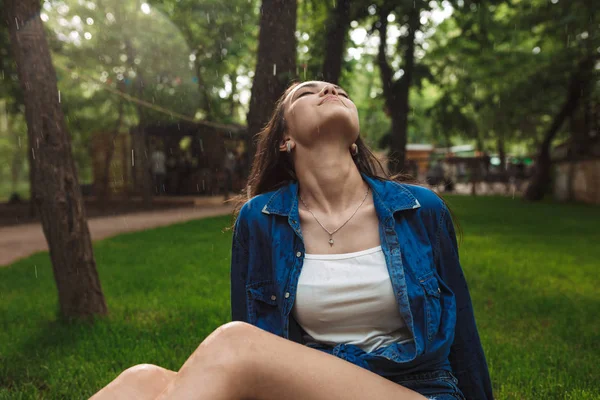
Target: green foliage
column 492, row 70
column 222, row 38
column 504, row 67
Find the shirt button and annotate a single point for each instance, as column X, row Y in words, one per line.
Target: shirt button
column 273, row 297
column 298, row 254
column 287, row 295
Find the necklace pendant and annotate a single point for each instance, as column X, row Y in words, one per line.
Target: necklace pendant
column 331, row 242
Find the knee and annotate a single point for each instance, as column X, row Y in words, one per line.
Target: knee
column 232, row 334
column 233, row 344
column 147, row 374
column 139, row 381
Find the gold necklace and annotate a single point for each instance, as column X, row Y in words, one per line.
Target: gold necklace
column 326, row 230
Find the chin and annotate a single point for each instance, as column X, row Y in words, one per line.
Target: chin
column 340, row 119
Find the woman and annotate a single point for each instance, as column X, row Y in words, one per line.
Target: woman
column 360, row 273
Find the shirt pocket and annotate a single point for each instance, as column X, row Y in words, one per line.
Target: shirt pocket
column 262, row 306
column 433, row 308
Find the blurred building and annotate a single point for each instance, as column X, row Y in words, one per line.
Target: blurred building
column 577, row 176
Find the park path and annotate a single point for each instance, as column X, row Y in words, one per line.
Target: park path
column 23, row 240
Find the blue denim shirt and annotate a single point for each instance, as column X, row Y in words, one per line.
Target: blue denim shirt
column 419, row 243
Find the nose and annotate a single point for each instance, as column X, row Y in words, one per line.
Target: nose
column 329, row 89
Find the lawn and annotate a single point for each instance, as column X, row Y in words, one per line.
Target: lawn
column 532, row 271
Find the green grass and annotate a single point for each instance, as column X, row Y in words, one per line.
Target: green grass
column 532, row 271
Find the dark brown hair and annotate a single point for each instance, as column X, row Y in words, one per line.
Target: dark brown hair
column 273, row 168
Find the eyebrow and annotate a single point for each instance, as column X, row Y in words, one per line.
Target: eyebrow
column 313, row 85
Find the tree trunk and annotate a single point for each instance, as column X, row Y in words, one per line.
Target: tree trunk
column 581, row 78
column 335, row 41
column 397, row 93
column 204, row 103
column 275, row 64
column 140, row 162
column 501, row 152
column 232, row 101
column 110, row 151
column 56, row 188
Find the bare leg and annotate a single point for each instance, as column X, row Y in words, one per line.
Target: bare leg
column 239, row 361
column 140, row 382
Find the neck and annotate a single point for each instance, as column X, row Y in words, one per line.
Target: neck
column 329, row 181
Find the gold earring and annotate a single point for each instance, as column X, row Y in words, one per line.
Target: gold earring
column 354, row 149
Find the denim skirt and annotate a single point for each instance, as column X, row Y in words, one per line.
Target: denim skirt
column 436, row 385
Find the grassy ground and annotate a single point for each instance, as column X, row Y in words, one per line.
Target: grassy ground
column 532, row 270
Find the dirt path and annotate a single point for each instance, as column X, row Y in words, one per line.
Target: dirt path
column 23, row 240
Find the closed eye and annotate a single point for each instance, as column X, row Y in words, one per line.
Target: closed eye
column 304, row 94
column 345, row 95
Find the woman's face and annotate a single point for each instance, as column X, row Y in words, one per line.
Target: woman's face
column 317, row 111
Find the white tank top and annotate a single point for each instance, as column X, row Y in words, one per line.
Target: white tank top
column 348, row 298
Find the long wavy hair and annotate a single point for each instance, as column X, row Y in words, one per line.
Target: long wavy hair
column 273, row 168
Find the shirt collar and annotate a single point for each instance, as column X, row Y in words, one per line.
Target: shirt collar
column 392, row 195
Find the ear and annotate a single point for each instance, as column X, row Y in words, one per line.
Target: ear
column 283, row 144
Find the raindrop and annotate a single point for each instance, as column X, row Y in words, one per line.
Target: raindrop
column 59, row 96
column 274, row 69
column 145, row 8
column 63, row 9
column 44, row 17
column 89, row 21
column 87, row 35
column 536, row 50
column 132, row 158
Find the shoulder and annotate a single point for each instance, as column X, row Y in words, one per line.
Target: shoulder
column 428, row 200
column 252, row 209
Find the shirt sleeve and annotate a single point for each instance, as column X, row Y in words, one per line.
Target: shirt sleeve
column 466, row 354
column 239, row 272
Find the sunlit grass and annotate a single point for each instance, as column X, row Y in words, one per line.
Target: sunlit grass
column 532, row 271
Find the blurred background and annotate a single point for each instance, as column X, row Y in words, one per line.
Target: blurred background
column 115, row 108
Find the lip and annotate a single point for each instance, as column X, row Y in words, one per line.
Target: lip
column 330, row 98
